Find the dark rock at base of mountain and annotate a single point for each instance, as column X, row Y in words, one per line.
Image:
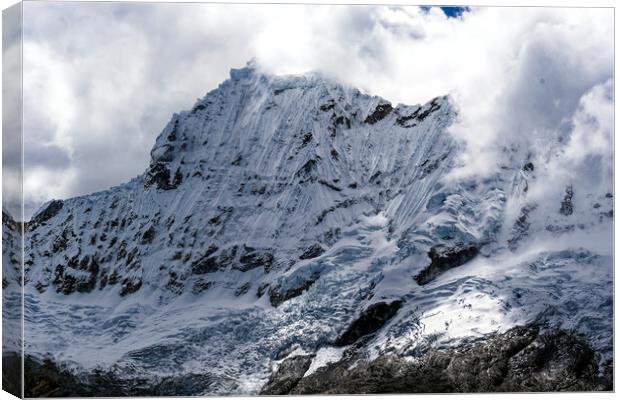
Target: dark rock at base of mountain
column 444, row 259
column 278, row 295
column 12, row 374
column 522, row 359
column 45, row 378
column 312, row 252
column 369, row 321
column 289, row 373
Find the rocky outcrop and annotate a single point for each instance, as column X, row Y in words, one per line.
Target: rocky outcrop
column 308, row 172
column 209, row 263
column 46, row 378
column 443, row 259
column 280, row 293
column 312, row 252
column 241, row 259
column 158, row 175
column 289, row 373
column 369, row 321
column 419, row 115
column 380, row 112
column 49, row 212
column 566, row 208
column 523, row 359
column 521, row 227
column 252, row 258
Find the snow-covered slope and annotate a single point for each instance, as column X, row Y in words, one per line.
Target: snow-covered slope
column 278, row 214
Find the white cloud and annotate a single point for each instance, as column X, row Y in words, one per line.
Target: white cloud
column 586, row 160
column 104, row 78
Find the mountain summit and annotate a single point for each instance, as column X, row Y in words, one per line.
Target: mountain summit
column 286, row 223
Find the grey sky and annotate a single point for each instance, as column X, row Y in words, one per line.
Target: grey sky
column 102, row 79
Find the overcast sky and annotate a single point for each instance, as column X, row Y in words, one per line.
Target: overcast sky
column 102, row 79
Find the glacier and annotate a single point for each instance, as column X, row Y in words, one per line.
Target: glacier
column 289, row 218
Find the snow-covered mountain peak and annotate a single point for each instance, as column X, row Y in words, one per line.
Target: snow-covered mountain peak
column 308, row 215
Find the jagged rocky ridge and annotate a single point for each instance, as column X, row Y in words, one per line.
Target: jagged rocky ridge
column 286, row 218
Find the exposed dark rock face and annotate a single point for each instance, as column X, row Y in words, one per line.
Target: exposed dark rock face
column 249, row 258
column 428, row 166
column 201, row 286
column 207, row 263
column 407, row 121
column 243, row 289
column 522, row 359
column 341, row 120
column 528, row 167
column 289, row 373
column 328, row 106
column 253, row 258
column 419, row 115
column 567, row 204
column 76, row 276
column 434, row 106
column 443, row 259
column 306, row 139
column 158, row 175
column 380, row 112
column 312, row 252
column 278, row 294
column 130, row 285
column 308, row 171
column 521, row 227
column 148, row 235
column 47, row 213
column 45, row 378
column 343, row 204
column 174, row 284
column 330, row 185
column 369, row 321
column 12, row 374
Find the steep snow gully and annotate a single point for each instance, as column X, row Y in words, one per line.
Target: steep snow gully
column 289, row 223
